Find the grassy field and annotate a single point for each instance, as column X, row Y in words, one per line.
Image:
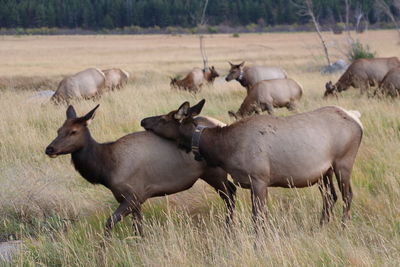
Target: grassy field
column 60, row 217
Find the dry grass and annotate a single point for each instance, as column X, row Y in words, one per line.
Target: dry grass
column 60, row 216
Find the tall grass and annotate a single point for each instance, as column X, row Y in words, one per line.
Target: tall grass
column 60, row 217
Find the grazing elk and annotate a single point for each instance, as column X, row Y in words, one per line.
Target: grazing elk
column 270, row 94
column 249, row 76
column 390, row 85
column 263, row 151
column 362, row 73
column 116, row 78
column 136, row 167
column 195, row 79
column 86, row 84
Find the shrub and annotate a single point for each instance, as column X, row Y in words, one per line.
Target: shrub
column 212, row 29
column 251, row 27
column 358, row 50
column 235, row 35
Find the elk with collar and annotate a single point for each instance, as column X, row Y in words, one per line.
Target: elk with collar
column 266, row 151
column 136, row 167
column 249, row 76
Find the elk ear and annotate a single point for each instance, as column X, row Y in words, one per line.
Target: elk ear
column 231, row 64
column 242, row 64
column 71, row 114
column 196, row 109
column 88, row 118
column 182, row 112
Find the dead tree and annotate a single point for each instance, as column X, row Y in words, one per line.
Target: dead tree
column 306, row 9
column 201, row 38
column 385, row 8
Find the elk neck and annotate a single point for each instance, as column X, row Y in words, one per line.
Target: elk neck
column 94, row 161
column 211, row 146
column 242, row 79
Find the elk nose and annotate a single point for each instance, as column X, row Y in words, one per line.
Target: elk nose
column 226, row 78
column 49, row 150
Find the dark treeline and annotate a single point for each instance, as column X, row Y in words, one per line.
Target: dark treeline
column 98, row 14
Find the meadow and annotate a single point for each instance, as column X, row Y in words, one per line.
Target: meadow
column 59, row 216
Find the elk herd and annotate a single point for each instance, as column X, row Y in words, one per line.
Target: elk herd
column 257, row 151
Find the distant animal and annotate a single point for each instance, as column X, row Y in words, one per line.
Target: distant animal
column 195, row 79
column 86, row 84
column 390, row 85
column 116, row 78
column 249, row 76
column 136, row 167
column 266, row 95
column 267, row 151
column 363, row 73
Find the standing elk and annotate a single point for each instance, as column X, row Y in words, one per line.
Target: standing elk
column 270, row 94
column 115, row 78
column 263, row 151
column 249, row 76
column 362, row 73
column 86, row 84
column 195, row 79
column 136, row 167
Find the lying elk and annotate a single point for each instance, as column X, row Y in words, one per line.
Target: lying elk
column 136, row 167
column 195, row 79
column 263, row 151
column 390, row 85
column 116, row 78
column 362, row 73
column 249, row 76
column 86, row 84
column 267, row 95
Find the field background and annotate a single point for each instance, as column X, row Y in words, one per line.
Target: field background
column 59, row 216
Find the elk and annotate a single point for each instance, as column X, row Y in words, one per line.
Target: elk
column 136, row 167
column 115, row 78
column 195, row 79
column 390, row 85
column 86, row 84
column 270, row 94
column 362, row 73
column 249, row 76
column 267, row 151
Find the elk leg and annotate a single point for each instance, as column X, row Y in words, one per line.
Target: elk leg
column 137, row 218
column 225, row 189
column 291, row 106
column 342, row 174
column 269, row 108
column 122, row 210
column 329, row 196
column 259, row 193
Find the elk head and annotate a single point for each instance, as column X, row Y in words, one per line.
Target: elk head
column 173, row 83
column 72, row 134
column 214, row 73
column 177, row 125
column 330, row 89
column 235, row 71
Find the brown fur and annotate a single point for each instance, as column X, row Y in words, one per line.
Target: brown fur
column 363, row 73
column 390, row 85
column 266, row 95
column 263, row 151
column 135, row 167
column 195, row 79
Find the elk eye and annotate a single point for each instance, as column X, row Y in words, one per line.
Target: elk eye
column 72, row 132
